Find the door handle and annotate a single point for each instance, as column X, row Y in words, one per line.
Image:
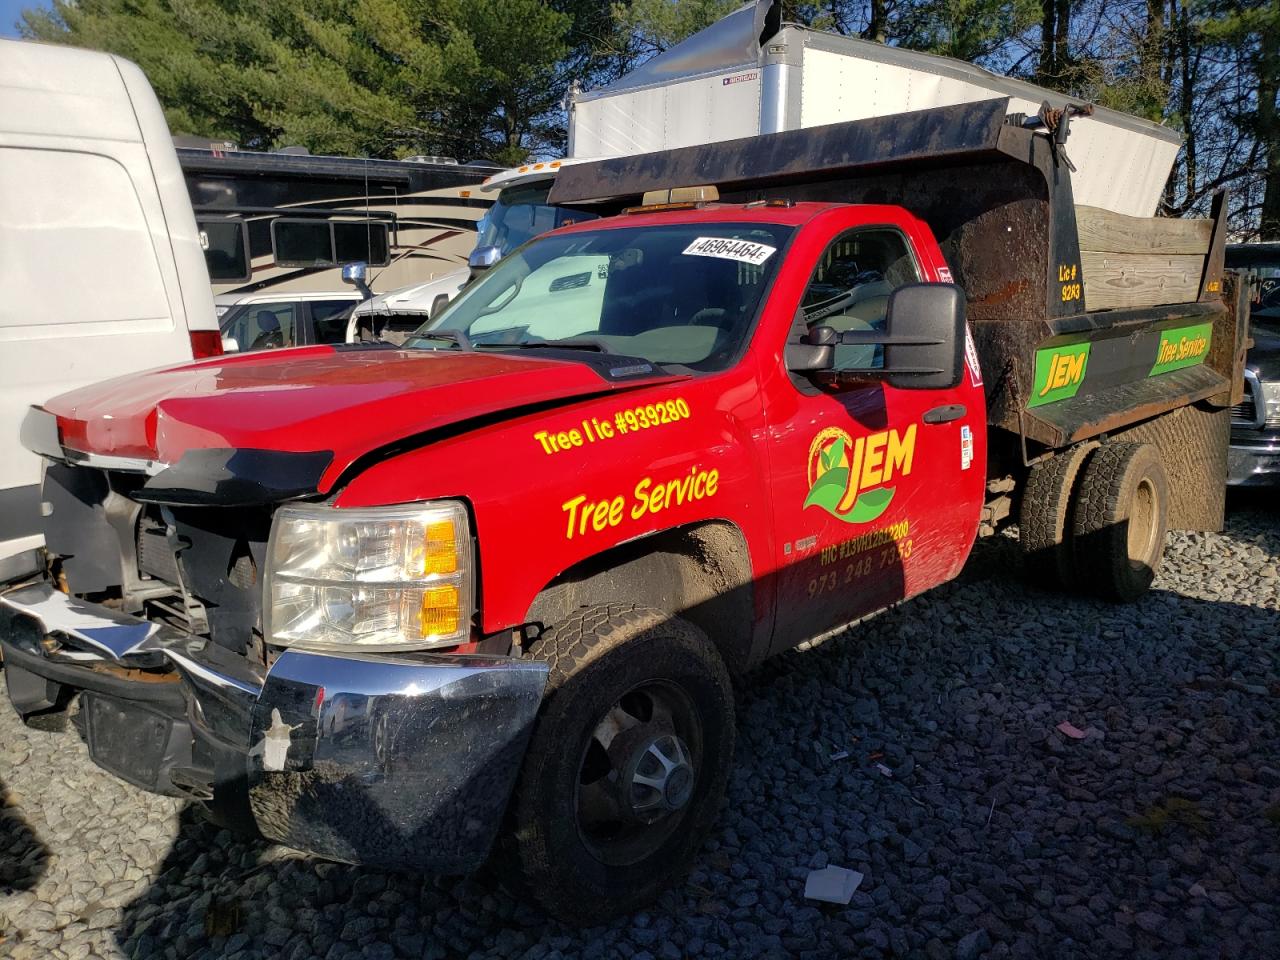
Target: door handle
column 945, row 413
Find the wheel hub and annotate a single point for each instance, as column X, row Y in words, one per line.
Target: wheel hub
column 659, row 777
column 638, row 775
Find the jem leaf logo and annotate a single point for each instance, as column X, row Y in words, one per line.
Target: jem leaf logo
column 849, row 478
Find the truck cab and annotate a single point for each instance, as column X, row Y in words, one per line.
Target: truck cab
column 1254, row 457
column 713, row 301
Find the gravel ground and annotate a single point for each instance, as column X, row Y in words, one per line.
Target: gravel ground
column 1158, row 834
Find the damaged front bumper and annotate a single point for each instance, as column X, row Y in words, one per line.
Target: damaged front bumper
column 404, row 761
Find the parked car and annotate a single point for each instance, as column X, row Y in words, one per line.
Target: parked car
column 1254, row 457
column 102, row 267
column 266, row 321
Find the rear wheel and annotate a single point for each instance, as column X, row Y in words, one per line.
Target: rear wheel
column 1120, row 520
column 1044, row 520
column 627, row 763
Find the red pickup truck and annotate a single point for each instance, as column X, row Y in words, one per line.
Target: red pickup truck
column 484, row 594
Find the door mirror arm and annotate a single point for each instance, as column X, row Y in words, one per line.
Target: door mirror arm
column 809, row 357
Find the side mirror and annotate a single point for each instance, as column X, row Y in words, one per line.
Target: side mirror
column 439, row 303
column 230, row 345
column 812, row 354
column 923, row 341
column 355, row 274
column 482, row 258
column 925, row 347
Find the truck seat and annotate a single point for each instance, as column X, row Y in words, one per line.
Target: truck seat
column 866, row 313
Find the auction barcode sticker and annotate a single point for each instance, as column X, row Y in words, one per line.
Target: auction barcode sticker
column 728, row 249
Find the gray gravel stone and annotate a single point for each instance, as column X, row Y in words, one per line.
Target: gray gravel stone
column 996, row 836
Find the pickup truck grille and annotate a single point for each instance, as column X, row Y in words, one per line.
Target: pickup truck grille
column 1244, row 413
column 155, row 558
column 1251, row 412
column 197, row 567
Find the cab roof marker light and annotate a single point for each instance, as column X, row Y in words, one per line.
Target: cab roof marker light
column 704, row 193
column 662, row 207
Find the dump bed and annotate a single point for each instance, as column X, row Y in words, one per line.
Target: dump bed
column 1134, row 306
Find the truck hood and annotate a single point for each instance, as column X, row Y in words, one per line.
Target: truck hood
column 317, row 409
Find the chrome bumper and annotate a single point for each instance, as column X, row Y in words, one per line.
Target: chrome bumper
column 401, row 761
column 1254, row 462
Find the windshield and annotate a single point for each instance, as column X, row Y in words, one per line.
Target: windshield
column 520, row 214
column 680, row 294
column 1266, row 305
column 1265, row 270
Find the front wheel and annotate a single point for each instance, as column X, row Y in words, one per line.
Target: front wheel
column 627, row 763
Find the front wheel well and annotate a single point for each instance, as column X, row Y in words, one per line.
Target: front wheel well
column 700, row 572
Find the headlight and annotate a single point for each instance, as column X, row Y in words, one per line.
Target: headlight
column 1271, row 398
column 379, row 578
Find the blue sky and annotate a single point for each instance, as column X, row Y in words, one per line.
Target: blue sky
column 11, row 9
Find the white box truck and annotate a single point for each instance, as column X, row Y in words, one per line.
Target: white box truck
column 750, row 74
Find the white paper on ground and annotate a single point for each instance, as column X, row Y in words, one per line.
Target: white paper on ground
column 832, row 885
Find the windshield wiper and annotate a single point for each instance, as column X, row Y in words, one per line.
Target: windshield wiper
column 456, row 336
column 606, row 361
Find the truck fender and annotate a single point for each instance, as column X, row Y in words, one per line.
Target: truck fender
column 701, row 572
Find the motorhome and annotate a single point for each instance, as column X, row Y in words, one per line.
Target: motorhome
column 286, row 222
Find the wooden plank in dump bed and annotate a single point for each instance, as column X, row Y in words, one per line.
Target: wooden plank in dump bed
column 1140, row 261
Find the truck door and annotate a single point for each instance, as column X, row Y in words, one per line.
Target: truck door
column 876, row 490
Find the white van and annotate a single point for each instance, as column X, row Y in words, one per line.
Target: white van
column 101, row 267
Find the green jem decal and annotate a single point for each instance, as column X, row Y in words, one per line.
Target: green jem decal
column 1059, row 373
column 1182, row 347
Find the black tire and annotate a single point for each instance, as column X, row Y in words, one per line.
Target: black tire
column 598, row 656
column 1044, row 518
column 1120, row 520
